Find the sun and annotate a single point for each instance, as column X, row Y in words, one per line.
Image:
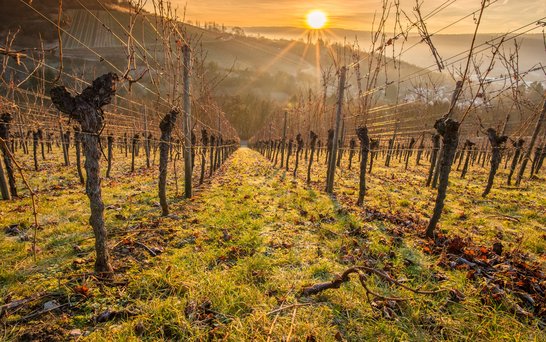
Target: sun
column 316, row 19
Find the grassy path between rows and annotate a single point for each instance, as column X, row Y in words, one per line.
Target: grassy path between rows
column 232, row 261
column 257, row 236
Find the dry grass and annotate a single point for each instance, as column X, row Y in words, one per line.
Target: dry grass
column 245, row 246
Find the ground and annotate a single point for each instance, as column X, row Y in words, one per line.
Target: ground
column 231, row 263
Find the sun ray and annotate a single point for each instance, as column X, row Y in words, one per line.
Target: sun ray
column 303, row 55
column 332, row 34
column 317, row 57
column 278, row 57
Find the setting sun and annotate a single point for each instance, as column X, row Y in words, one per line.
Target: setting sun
column 316, row 19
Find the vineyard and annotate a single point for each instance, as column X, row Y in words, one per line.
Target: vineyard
column 164, row 180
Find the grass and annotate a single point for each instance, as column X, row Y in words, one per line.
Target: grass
column 246, row 245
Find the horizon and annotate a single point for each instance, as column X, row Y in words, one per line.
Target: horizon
column 498, row 17
column 411, row 34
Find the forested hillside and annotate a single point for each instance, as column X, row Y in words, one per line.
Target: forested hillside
column 252, row 77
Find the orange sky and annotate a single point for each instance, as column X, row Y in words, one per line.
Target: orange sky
column 501, row 16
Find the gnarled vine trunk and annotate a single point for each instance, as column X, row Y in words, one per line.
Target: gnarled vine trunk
column 496, row 145
column 469, row 146
column 134, row 150
column 329, row 144
column 518, row 145
column 527, row 155
column 313, row 137
column 36, row 137
column 166, row 126
column 86, row 109
column 374, row 147
column 299, row 142
column 409, row 152
column 352, row 146
column 289, row 153
column 434, row 157
column 449, row 130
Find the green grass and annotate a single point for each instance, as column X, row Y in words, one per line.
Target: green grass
column 248, row 243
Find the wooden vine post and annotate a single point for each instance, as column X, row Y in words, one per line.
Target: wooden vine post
column 134, row 151
column 36, row 137
column 390, row 147
column 187, row 124
column 409, row 152
column 147, row 137
column 5, row 123
column 329, row 145
column 362, row 133
column 333, row 152
column 299, row 142
column 193, row 148
column 212, row 144
column 420, row 150
column 313, row 140
column 219, row 143
column 352, row 146
column 205, row 143
column 77, row 142
column 63, row 143
column 110, row 140
column 283, row 142
column 86, row 109
column 4, row 191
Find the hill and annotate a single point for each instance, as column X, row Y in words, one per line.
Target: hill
column 31, row 24
column 262, row 74
column 451, row 47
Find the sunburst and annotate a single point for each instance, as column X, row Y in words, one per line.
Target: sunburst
column 317, row 19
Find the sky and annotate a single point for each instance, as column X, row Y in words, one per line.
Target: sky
column 500, row 16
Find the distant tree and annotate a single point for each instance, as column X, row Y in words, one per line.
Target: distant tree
column 238, row 31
